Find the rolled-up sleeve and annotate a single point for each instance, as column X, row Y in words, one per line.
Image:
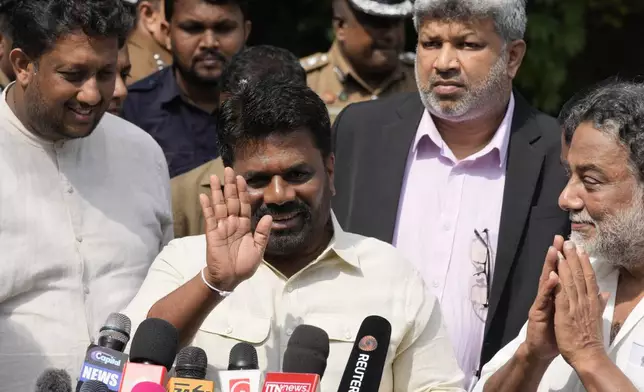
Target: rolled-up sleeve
column 425, row 360
column 500, row 359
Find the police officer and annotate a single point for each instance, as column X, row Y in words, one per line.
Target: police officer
column 148, row 43
column 366, row 60
column 6, row 69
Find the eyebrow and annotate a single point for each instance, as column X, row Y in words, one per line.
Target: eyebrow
column 582, row 168
column 299, row 166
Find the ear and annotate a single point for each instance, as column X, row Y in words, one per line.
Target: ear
column 329, row 165
column 165, row 32
column 339, row 29
column 148, row 15
column 248, row 26
column 23, row 66
column 516, row 50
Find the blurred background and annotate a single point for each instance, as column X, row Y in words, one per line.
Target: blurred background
column 571, row 43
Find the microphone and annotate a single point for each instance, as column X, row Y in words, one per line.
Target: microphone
column 243, row 373
column 304, row 362
column 115, row 333
column 152, row 353
column 148, row 386
column 94, row 386
column 191, row 372
column 54, row 380
column 367, row 360
column 105, row 362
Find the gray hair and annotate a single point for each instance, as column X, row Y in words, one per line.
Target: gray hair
column 509, row 16
column 615, row 108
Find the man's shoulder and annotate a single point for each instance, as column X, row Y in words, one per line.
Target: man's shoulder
column 374, row 255
column 126, row 135
column 315, row 62
column 149, row 84
column 378, row 111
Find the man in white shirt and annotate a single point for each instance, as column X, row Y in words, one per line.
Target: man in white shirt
column 585, row 330
column 277, row 137
column 84, row 195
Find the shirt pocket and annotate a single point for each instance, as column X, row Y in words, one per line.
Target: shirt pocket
column 635, row 373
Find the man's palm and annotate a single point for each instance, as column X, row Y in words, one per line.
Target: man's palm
column 233, row 251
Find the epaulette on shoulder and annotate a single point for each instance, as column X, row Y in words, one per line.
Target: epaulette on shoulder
column 314, row 61
column 407, row 58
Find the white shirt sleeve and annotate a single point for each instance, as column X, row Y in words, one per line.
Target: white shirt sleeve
column 500, row 359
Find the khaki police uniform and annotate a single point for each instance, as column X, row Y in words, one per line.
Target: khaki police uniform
column 146, row 56
column 337, row 83
column 186, row 188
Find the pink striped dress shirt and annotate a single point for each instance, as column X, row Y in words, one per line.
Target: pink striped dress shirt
column 443, row 201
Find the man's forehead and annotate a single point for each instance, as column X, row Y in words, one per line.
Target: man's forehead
column 590, row 145
column 276, row 152
column 80, row 48
column 459, row 26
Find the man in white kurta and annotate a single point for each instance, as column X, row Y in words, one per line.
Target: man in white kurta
column 80, row 223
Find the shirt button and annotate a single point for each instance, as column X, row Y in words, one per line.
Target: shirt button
column 70, row 190
column 59, row 144
column 446, row 226
column 86, row 289
column 435, row 284
column 289, row 289
column 347, row 335
column 79, row 238
column 229, row 330
column 289, row 332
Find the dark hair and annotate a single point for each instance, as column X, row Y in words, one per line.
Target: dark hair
column 267, row 107
column 36, row 25
column 6, row 9
column 243, row 6
column 256, row 62
column 613, row 107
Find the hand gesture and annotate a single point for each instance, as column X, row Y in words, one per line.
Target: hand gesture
column 578, row 308
column 233, row 251
column 540, row 339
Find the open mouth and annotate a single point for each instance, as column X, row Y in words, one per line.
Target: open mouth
column 286, row 221
column 81, row 114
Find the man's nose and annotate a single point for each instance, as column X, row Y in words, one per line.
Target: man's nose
column 278, row 192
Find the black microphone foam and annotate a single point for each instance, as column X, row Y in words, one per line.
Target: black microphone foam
column 191, row 363
column 54, row 380
column 307, row 351
column 94, row 386
column 367, row 359
column 115, row 333
column 155, row 342
column 243, row 356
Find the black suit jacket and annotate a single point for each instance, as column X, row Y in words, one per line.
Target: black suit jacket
column 372, row 142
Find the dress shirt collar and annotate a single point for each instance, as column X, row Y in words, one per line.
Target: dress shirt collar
column 498, row 145
column 342, row 245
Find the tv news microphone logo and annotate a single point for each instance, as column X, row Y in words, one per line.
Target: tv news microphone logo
column 239, row 385
column 287, row 387
column 186, row 387
column 368, row 343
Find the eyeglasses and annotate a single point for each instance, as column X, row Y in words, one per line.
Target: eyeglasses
column 481, row 259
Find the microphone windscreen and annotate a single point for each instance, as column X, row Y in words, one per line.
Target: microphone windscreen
column 54, row 380
column 117, row 326
column 307, row 351
column 243, row 356
column 191, row 363
column 94, row 386
column 148, row 386
column 155, row 342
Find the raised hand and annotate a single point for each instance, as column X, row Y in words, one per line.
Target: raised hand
column 578, row 308
column 233, row 251
column 540, row 340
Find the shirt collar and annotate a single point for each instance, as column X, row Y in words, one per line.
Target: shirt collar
column 342, row 245
column 498, row 144
column 18, row 127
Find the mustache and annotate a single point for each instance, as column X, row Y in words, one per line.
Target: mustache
column 581, row 217
column 295, row 206
column 211, row 53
